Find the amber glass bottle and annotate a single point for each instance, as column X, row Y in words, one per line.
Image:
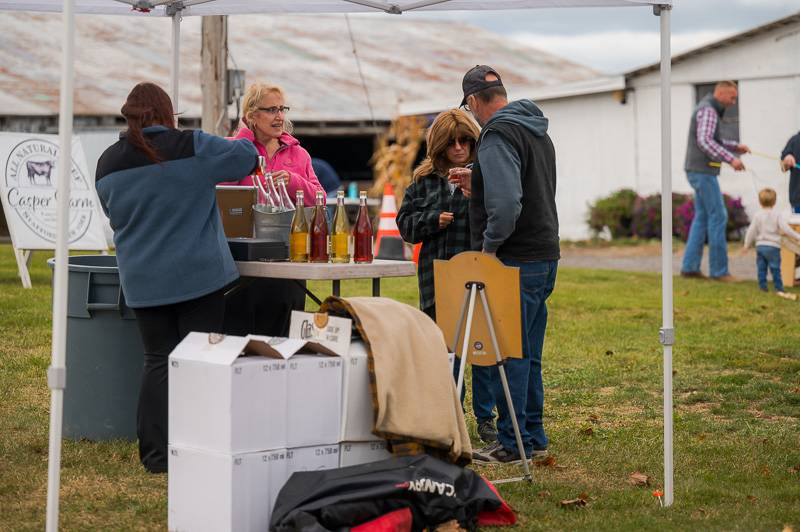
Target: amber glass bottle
column 340, row 232
column 298, row 237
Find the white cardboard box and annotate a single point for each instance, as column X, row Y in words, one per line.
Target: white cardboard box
column 220, row 492
column 220, row 400
column 314, row 400
column 362, row 452
column 225, row 405
column 358, row 416
column 313, row 458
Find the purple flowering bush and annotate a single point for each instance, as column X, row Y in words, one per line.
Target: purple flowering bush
column 647, row 215
column 627, row 214
column 737, row 218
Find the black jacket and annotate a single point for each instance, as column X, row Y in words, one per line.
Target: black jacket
column 336, row 499
column 535, row 235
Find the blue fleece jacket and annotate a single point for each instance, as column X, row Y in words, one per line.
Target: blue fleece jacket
column 503, row 199
column 167, row 230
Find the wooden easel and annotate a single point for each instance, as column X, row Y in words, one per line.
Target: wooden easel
column 473, row 271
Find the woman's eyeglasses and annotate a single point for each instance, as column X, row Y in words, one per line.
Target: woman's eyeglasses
column 463, row 141
column 275, row 109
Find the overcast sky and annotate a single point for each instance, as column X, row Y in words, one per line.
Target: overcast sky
column 614, row 40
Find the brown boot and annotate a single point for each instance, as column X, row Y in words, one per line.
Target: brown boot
column 727, row 278
column 693, row 275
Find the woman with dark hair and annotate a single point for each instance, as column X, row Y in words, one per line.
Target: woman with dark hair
column 157, row 187
column 436, row 213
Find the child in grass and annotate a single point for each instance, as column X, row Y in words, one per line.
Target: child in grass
column 765, row 231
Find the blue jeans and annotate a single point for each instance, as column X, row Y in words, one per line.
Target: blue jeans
column 482, row 382
column 795, row 209
column 710, row 219
column 536, row 280
column 768, row 256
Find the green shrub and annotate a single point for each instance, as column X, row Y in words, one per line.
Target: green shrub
column 615, row 212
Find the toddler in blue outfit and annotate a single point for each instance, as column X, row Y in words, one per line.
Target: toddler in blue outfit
column 765, row 231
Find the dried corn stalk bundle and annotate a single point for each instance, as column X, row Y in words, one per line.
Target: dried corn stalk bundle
column 395, row 154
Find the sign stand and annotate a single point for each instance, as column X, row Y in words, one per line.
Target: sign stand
column 468, row 307
column 24, row 257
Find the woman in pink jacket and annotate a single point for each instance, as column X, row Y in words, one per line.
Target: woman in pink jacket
column 264, row 123
column 264, row 306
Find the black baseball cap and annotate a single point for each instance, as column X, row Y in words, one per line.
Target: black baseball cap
column 475, row 81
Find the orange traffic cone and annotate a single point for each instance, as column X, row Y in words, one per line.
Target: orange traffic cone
column 415, row 255
column 388, row 243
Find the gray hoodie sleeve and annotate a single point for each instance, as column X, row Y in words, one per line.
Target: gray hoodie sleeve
column 502, row 189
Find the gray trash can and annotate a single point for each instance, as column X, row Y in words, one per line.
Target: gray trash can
column 104, row 353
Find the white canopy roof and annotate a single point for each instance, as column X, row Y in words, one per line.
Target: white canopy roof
column 234, row 7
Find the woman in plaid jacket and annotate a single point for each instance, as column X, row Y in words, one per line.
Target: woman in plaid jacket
column 435, row 212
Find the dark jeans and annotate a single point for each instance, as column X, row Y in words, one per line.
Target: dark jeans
column 769, row 257
column 482, row 383
column 263, row 306
column 536, row 280
column 162, row 328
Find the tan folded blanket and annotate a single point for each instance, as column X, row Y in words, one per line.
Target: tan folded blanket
column 413, row 391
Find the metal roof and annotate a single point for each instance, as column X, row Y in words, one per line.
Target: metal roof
column 310, row 56
column 722, row 43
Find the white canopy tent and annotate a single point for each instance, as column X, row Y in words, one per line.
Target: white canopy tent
column 181, row 8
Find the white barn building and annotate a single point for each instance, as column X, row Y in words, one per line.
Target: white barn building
column 606, row 130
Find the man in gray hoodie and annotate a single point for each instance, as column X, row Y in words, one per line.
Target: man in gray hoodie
column 513, row 216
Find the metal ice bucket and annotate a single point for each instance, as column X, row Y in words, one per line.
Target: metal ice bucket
column 275, row 225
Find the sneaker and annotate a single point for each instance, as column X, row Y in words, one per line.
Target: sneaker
column 786, row 295
column 496, row 454
column 727, row 278
column 693, row 275
column 487, row 431
column 538, row 454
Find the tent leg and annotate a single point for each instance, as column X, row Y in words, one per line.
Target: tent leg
column 175, row 13
column 56, row 374
column 667, row 332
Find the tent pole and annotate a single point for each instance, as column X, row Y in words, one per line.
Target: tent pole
column 667, row 333
column 56, row 373
column 175, row 13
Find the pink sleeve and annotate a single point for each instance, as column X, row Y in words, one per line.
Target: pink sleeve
column 306, row 181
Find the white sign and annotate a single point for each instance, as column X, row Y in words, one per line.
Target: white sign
column 321, row 330
column 29, row 166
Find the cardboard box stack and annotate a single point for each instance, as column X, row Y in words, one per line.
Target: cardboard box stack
column 247, row 412
column 244, row 414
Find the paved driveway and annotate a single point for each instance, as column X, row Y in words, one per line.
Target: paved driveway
column 647, row 258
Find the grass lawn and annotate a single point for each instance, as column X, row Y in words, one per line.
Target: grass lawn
column 737, row 412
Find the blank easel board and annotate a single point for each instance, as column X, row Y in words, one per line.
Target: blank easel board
column 502, row 290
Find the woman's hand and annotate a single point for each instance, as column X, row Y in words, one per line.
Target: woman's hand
column 445, row 219
column 281, row 176
column 462, row 178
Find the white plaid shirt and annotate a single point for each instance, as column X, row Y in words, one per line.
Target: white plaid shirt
column 706, row 125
